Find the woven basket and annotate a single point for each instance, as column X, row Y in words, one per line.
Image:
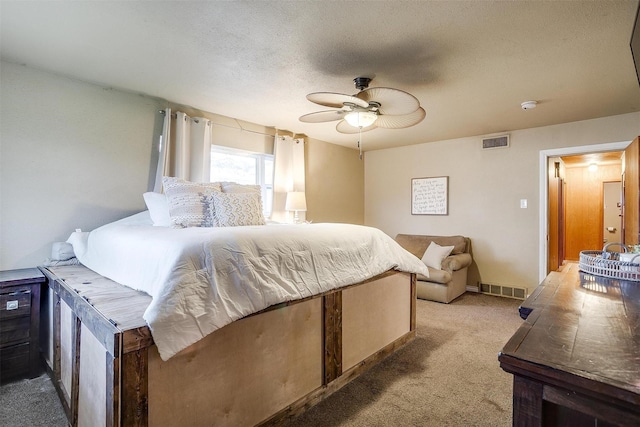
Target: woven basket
column 608, row 264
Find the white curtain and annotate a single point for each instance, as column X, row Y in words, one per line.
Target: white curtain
column 201, row 141
column 185, row 148
column 288, row 175
column 163, row 156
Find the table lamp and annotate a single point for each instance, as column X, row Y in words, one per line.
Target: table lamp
column 296, row 202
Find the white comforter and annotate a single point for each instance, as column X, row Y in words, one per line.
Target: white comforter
column 201, row 279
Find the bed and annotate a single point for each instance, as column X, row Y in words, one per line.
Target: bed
column 209, row 339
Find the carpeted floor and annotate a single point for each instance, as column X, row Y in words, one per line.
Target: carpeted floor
column 31, row 403
column 448, row 376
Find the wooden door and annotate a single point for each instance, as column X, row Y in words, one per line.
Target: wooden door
column 631, row 199
column 584, row 209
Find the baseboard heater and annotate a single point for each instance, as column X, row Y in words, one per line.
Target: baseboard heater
column 503, row 291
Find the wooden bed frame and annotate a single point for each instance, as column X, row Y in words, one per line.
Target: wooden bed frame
column 258, row 370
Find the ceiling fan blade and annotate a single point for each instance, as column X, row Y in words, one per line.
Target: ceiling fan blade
column 401, row 121
column 323, row 116
column 344, row 127
column 336, row 100
column 392, row 101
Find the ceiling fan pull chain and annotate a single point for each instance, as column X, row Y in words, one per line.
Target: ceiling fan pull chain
column 360, row 141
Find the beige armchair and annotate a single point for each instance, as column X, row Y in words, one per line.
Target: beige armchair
column 449, row 282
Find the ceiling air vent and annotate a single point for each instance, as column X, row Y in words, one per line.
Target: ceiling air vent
column 495, row 142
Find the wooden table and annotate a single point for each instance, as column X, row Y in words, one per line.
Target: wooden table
column 576, row 359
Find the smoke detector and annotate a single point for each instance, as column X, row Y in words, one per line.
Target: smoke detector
column 528, row 105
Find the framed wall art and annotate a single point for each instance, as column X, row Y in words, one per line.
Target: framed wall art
column 430, row 196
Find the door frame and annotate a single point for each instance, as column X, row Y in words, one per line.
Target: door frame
column 543, row 247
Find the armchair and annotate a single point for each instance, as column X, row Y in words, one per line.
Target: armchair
column 448, row 282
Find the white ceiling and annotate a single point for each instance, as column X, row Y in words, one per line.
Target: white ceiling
column 470, row 63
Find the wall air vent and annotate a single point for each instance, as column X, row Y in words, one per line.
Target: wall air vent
column 504, row 291
column 501, row 141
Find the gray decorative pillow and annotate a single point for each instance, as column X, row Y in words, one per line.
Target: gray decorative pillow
column 237, row 209
column 189, row 202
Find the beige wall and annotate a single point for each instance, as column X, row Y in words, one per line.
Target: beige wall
column 485, row 189
column 335, row 181
column 77, row 155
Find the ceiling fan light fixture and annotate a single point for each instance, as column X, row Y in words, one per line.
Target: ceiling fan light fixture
column 361, row 119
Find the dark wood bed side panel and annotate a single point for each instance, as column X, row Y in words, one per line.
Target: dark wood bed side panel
column 414, row 299
column 75, row 370
column 332, row 314
column 135, row 394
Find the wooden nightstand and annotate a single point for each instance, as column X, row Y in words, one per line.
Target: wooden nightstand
column 20, row 323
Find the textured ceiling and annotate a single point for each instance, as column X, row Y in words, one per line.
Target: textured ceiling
column 470, row 63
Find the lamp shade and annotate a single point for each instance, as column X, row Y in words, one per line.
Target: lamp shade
column 296, row 201
column 361, row 118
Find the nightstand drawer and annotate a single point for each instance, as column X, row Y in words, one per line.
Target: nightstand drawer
column 15, row 330
column 14, row 361
column 15, row 304
column 20, row 323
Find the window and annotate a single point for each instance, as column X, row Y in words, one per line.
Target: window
column 244, row 167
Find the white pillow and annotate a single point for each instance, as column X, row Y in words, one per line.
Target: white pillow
column 158, row 208
column 434, row 255
column 236, row 209
column 189, row 201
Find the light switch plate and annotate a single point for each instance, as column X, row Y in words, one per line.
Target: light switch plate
column 523, row 203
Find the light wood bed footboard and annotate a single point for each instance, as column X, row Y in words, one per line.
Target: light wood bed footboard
column 256, row 371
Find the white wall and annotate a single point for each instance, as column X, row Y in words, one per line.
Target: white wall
column 73, row 155
column 485, row 189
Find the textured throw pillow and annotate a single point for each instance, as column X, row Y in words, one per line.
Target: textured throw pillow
column 189, row 201
column 232, row 187
column 236, row 209
column 434, row 255
column 158, row 208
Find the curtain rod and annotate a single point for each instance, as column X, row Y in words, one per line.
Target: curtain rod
column 240, row 128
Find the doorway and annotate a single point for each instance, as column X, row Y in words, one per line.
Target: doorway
column 581, row 202
column 545, row 171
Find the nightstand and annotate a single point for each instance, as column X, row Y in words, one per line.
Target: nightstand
column 20, row 323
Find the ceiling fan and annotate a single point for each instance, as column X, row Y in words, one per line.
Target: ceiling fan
column 371, row 108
